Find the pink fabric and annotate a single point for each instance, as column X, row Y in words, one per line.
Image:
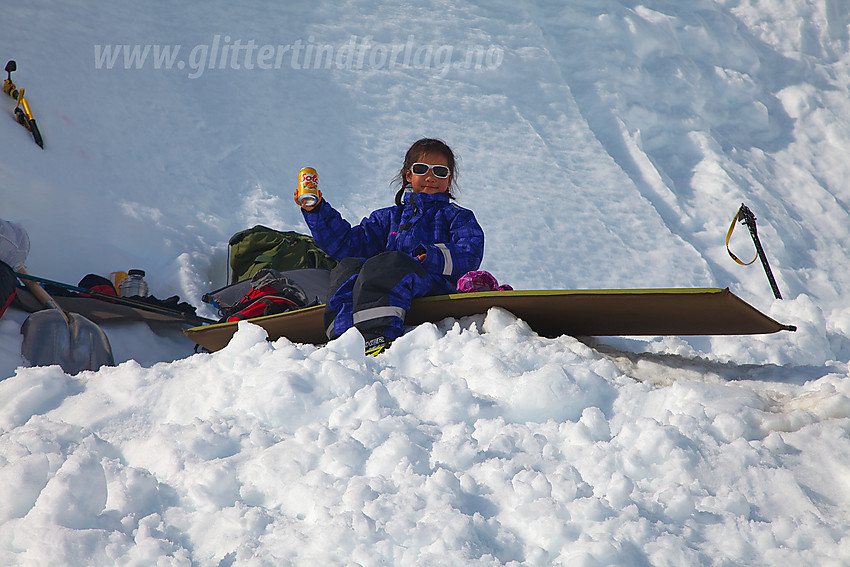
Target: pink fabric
column 479, row 281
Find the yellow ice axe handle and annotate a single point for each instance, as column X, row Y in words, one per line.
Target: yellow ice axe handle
column 25, row 105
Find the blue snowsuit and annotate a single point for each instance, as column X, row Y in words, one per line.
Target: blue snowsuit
column 379, row 275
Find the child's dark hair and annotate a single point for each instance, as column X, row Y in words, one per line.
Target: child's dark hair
column 415, row 153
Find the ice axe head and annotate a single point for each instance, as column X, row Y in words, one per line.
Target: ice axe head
column 10, row 67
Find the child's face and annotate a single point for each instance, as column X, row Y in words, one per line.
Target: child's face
column 429, row 183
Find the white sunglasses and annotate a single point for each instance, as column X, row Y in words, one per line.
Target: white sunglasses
column 441, row 171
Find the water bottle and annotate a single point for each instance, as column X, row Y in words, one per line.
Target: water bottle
column 133, row 284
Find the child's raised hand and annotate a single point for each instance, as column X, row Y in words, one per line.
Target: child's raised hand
column 311, row 207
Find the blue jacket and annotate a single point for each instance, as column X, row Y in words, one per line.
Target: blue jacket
column 427, row 224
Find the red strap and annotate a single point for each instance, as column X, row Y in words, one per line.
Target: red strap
column 8, row 302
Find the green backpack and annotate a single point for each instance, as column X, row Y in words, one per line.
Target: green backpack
column 260, row 247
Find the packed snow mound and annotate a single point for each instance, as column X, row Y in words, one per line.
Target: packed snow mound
column 453, row 447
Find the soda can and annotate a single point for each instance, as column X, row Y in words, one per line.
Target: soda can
column 308, row 187
column 115, row 278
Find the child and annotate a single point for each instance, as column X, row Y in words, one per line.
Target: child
column 421, row 246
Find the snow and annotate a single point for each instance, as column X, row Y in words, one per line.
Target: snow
column 603, row 144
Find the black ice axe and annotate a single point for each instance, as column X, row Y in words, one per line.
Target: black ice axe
column 746, row 216
column 54, row 336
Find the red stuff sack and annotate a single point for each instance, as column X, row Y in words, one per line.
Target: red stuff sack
column 269, row 295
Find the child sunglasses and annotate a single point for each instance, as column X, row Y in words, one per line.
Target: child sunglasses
column 440, row 171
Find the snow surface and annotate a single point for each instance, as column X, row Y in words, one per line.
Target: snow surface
column 604, row 144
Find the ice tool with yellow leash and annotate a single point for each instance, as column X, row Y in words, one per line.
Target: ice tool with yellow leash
column 23, row 113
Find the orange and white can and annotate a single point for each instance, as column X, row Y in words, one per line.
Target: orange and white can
column 308, row 187
column 115, row 278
